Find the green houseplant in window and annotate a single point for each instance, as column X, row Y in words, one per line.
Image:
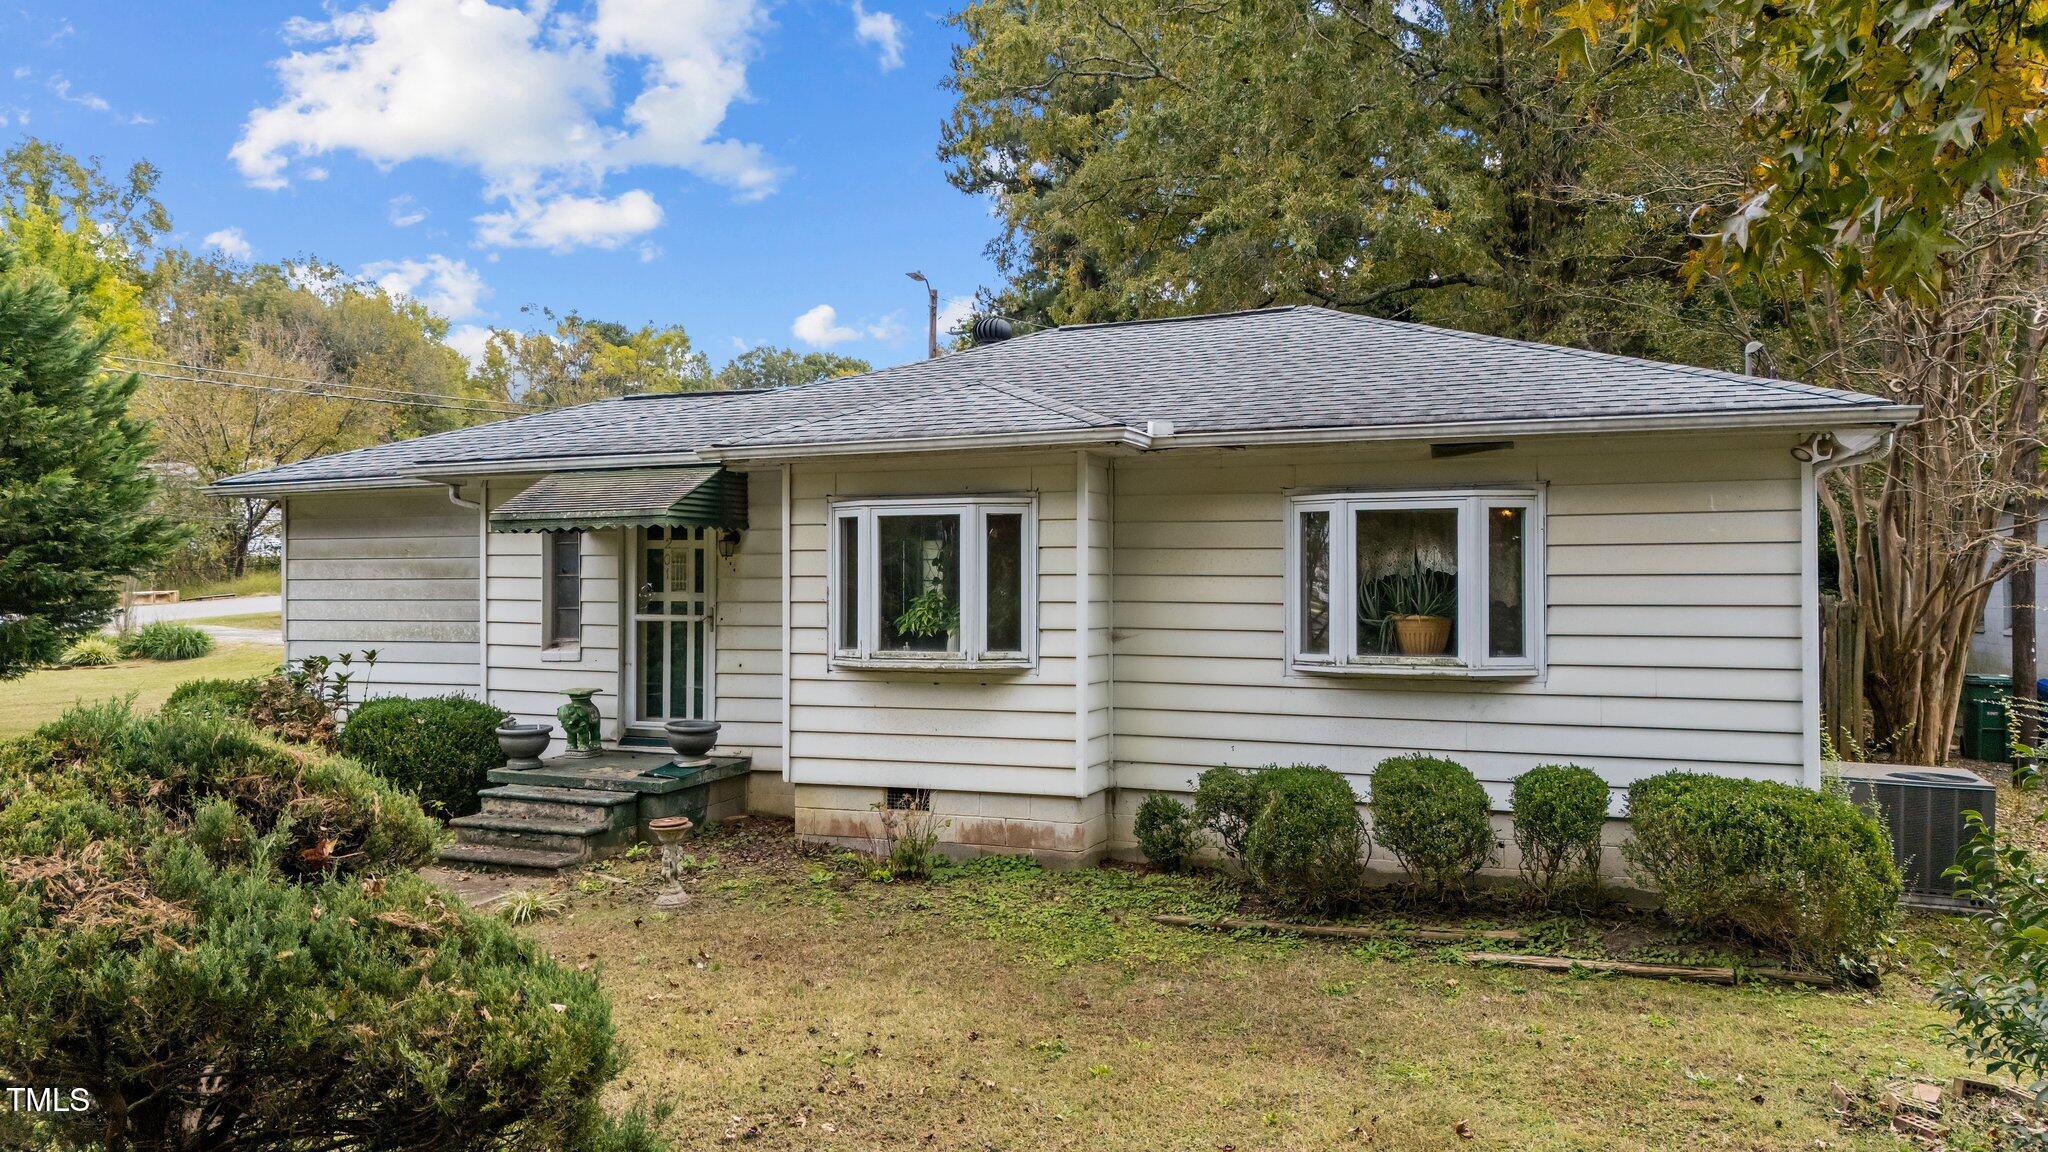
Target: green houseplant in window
column 1421, row 603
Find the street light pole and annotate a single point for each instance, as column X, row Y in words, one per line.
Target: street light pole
column 931, row 314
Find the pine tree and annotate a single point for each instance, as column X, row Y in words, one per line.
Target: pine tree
column 73, row 482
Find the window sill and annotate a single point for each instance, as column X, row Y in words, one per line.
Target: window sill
column 914, row 664
column 1421, row 667
column 562, row 654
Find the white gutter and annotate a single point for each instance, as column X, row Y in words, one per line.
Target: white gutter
column 1154, row 435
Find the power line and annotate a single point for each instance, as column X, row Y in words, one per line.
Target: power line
column 313, row 385
column 324, row 395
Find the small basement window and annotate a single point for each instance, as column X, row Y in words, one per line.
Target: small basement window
column 1446, row 582
column 562, row 590
column 944, row 582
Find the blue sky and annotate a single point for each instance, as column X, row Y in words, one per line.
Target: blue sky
column 760, row 171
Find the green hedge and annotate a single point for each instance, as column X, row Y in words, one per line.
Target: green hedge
column 1306, row 849
column 440, row 749
column 1559, row 812
column 221, row 697
column 1167, row 832
column 1434, row 816
column 1801, row 870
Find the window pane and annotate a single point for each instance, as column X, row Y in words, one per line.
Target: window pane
column 918, row 583
column 1006, row 582
column 652, row 661
column 1407, row 581
column 1315, row 583
column 1506, row 616
column 849, row 583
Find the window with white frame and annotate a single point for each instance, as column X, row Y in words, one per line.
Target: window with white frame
column 934, row 580
column 562, row 589
column 1428, row 581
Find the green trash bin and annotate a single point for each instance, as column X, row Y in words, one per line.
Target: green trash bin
column 1982, row 718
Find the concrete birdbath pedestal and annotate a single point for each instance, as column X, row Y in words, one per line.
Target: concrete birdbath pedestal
column 672, row 832
column 523, row 743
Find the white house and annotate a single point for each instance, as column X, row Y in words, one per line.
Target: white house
column 1045, row 577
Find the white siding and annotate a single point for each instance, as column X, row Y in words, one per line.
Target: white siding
column 1673, row 618
column 1009, row 731
column 391, row 570
column 749, row 638
column 1097, row 699
column 526, row 680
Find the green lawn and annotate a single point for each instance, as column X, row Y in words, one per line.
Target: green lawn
column 270, row 621
column 28, row 702
column 795, row 1004
column 255, row 582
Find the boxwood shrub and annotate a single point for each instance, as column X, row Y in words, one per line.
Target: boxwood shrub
column 1804, row 871
column 441, row 749
column 1305, row 849
column 1167, row 832
column 1559, row 812
column 1433, row 815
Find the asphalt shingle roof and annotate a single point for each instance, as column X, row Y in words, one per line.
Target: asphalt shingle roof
column 1298, row 368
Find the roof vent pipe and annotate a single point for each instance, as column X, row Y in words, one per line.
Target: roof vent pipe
column 990, row 330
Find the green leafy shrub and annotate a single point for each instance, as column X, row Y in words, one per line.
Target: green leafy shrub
column 1306, row 849
column 441, row 749
column 1433, row 815
column 1801, row 870
column 93, row 651
column 1227, row 800
column 166, row 640
column 1559, row 812
column 1167, row 832
column 255, row 909
column 221, row 697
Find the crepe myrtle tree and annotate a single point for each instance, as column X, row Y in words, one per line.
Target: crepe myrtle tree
column 73, row 480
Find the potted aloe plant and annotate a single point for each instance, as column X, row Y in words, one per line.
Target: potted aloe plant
column 1420, row 603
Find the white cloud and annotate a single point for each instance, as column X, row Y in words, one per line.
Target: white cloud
column 525, row 97
column 469, row 339
column 230, row 243
column 955, row 312
column 820, row 328
column 569, row 221
column 450, row 287
column 881, row 30
column 406, row 212
column 62, row 90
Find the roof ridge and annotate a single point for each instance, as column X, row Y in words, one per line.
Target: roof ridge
column 1172, row 319
column 1796, row 387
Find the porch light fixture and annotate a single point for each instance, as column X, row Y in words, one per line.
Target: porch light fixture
column 728, row 543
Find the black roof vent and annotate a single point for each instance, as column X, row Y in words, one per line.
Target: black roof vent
column 990, row 330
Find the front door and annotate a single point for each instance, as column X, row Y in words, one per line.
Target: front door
column 675, row 570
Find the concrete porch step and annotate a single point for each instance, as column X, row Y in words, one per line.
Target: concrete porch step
column 572, row 804
column 521, row 831
column 500, row 858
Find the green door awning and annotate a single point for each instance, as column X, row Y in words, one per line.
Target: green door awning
column 701, row 497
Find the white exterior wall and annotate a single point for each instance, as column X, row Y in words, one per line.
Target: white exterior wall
column 1008, row 731
column 1673, row 574
column 749, row 643
column 524, row 679
column 392, row 570
column 1097, row 697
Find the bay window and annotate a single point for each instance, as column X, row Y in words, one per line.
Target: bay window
column 1443, row 582
column 933, row 581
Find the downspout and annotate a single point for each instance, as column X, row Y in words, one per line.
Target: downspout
column 1819, row 455
column 788, row 743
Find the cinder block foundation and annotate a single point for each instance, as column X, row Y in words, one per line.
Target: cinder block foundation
column 1057, row 831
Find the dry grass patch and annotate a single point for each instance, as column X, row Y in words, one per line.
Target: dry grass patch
column 793, row 1004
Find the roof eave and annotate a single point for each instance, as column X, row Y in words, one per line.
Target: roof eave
column 1888, row 415
column 264, row 489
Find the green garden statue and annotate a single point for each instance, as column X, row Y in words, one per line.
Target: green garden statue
column 579, row 721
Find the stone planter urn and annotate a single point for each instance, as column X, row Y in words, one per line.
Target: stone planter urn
column 580, row 720
column 691, row 739
column 523, row 743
